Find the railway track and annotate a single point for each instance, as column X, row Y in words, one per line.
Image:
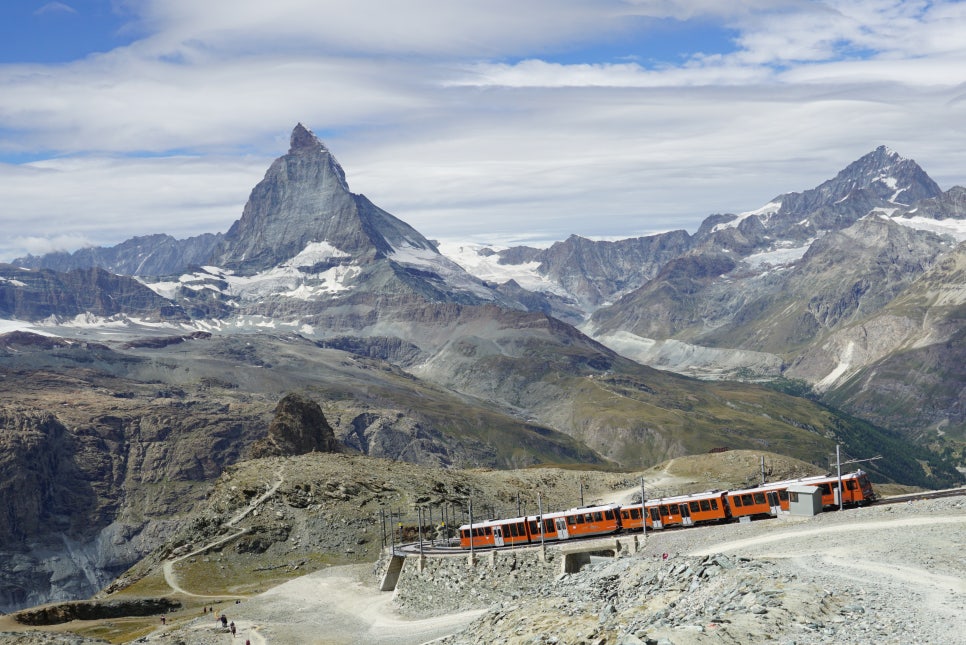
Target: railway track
column 912, row 497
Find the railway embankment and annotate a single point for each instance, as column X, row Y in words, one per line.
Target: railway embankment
column 886, row 574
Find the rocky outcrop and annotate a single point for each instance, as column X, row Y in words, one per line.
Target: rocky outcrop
column 94, row 610
column 299, row 427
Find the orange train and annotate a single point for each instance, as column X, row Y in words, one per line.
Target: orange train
column 766, row 500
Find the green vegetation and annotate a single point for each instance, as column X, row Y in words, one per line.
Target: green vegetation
column 901, row 461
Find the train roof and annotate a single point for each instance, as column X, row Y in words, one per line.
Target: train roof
column 551, row 515
column 677, row 499
column 803, row 481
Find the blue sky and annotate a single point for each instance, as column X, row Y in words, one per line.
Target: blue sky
column 59, row 32
column 493, row 121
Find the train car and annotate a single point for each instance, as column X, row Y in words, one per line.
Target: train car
column 495, row 533
column 767, row 500
column 687, row 510
column 632, row 517
column 580, row 522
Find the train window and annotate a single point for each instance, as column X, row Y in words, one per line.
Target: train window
column 521, row 529
column 609, row 515
column 851, row 484
column 664, row 512
column 534, row 527
column 759, row 498
column 673, row 508
column 694, row 507
column 548, row 525
column 783, row 495
column 746, row 499
column 635, row 514
column 598, row 517
column 714, row 504
column 464, row 533
column 705, row 505
column 737, row 500
column 489, row 531
column 513, row 530
column 826, row 489
column 655, row 515
column 579, row 519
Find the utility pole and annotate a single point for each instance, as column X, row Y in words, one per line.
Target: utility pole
column 382, row 522
column 392, row 534
column 643, row 509
column 543, row 547
column 838, row 467
column 419, row 531
column 470, row 510
column 763, row 470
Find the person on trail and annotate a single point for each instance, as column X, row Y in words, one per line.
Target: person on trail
column 232, row 627
column 224, row 620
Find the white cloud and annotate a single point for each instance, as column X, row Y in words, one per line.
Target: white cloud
column 456, row 117
column 54, row 7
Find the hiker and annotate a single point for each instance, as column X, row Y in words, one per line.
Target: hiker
column 163, row 619
column 232, row 627
column 224, row 620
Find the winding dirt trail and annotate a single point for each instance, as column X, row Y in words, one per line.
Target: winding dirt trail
column 244, row 628
column 171, row 578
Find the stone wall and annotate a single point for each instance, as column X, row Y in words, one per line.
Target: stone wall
column 455, row 583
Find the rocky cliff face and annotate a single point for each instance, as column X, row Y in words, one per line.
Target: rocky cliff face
column 94, row 469
column 35, row 295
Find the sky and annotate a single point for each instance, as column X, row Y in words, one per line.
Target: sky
column 489, row 121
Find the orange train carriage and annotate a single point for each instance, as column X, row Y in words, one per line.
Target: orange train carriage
column 560, row 525
column 683, row 510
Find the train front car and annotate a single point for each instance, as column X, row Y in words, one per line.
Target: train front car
column 857, row 489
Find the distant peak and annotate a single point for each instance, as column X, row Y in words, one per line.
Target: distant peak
column 304, row 139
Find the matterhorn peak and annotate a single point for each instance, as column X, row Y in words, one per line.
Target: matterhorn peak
column 304, row 140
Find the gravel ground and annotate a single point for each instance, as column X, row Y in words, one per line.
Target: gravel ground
column 885, row 574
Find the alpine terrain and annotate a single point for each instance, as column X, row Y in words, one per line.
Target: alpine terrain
column 138, row 377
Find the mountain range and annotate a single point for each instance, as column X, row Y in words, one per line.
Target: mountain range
column 135, row 374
